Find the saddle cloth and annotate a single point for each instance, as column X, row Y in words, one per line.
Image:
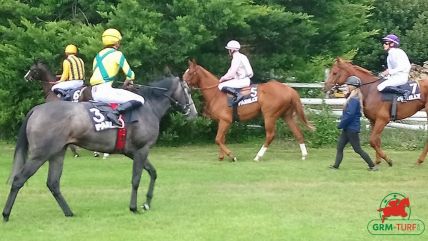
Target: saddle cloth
column 249, row 93
column 98, row 114
column 411, row 85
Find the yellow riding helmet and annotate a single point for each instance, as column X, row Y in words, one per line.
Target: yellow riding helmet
column 70, row 49
column 111, row 36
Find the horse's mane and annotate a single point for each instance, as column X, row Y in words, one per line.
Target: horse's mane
column 363, row 70
column 211, row 75
column 356, row 66
column 157, row 88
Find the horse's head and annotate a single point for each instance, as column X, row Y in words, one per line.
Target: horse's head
column 191, row 75
column 182, row 97
column 339, row 72
column 39, row 71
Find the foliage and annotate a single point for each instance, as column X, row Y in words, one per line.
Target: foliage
column 292, row 41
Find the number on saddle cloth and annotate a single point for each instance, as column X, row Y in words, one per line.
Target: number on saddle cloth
column 412, row 86
column 100, row 114
column 69, row 95
column 249, row 93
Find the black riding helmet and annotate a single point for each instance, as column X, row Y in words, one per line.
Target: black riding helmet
column 353, row 80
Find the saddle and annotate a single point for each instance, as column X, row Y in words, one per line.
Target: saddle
column 70, row 94
column 249, row 94
column 395, row 94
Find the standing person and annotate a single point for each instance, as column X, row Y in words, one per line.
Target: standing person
column 106, row 66
column 239, row 73
column 350, row 125
column 73, row 72
column 398, row 67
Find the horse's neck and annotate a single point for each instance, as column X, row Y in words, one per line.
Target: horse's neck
column 209, row 86
column 371, row 96
column 47, row 88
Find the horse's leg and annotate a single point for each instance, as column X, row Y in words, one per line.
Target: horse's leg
column 74, row 150
column 56, row 164
column 375, row 140
column 153, row 175
column 220, row 139
column 378, row 159
column 27, row 171
column 139, row 158
column 423, row 155
column 270, row 134
column 297, row 134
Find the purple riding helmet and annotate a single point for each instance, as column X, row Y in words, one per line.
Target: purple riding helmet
column 392, row 38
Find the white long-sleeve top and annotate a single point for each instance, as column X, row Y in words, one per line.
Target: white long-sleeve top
column 397, row 61
column 240, row 68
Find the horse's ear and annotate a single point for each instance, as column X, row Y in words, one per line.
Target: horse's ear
column 339, row 59
column 192, row 62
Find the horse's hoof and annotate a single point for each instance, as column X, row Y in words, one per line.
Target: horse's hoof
column 389, row 163
column 221, row 158
column 234, row 159
column 69, row 215
column 5, row 218
column 146, row 207
column 76, row 155
column 96, row 154
column 133, row 209
column 303, row 158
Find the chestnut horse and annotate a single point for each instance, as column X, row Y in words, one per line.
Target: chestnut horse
column 275, row 100
column 376, row 110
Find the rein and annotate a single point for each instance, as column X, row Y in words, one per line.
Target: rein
column 374, row 81
column 184, row 107
column 205, row 88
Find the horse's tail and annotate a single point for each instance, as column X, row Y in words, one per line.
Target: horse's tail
column 298, row 107
column 21, row 149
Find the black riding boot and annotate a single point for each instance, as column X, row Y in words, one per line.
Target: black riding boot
column 236, row 94
column 60, row 92
column 396, row 90
column 122, row 108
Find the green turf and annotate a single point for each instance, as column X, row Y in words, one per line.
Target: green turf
column 200, row 198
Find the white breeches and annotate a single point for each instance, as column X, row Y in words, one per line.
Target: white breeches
column 106, row 93
column 68, row 85
column 235, row 83
column 394, row 80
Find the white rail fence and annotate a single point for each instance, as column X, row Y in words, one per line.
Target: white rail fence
column 416, row 122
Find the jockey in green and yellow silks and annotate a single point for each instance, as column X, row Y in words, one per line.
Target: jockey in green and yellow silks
column 106, row 66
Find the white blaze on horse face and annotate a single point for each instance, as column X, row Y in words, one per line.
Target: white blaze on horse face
column 26, row 76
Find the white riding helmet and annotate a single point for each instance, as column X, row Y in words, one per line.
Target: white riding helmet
column 233, row 45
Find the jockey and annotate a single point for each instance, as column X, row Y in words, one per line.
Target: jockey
column 73, row 72
column 106, row 66
column 239, row 73
column 398, row 67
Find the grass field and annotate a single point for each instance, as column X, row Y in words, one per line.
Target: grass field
column 200, row 198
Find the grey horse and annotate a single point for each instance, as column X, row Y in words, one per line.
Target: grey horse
column 49, row 128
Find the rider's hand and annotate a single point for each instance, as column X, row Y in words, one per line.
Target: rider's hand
column 127, row 83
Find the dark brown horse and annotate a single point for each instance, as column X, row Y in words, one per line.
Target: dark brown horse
column 275, row 100
column 40, row 71
column 376, row 110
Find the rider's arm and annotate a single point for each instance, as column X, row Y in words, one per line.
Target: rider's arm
column 125, row 68
column 65, row 71
column 401, row 60
column 231, row 73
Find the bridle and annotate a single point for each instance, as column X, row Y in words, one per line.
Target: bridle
column 192, row 74
column 185, row 108
column 336, row 86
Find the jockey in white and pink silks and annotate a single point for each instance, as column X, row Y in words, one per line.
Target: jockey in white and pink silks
column 398, row 67
column 239, row 73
